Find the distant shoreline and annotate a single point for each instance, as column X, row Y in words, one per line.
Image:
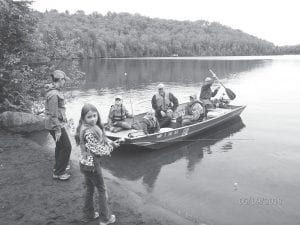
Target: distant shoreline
column 242, row 57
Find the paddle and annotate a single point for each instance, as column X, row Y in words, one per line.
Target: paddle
column 228, row 91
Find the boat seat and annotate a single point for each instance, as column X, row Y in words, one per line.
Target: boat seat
column 165, row 129
column 217, row 112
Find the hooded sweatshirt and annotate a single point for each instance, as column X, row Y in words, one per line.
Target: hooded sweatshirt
column 54, row 108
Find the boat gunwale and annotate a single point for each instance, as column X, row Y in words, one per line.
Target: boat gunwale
column 134, row 139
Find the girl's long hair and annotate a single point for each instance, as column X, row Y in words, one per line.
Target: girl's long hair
column 85, row 109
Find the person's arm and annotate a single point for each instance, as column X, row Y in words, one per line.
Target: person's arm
column 154, row 105
column 157, row 128
column 201, row 96
column 53, row 113
column 196, row 111
column 215, row 92
column 127, row 113
column 175, row 102
column 94, row 146
column 145, row 128
column 110, row 117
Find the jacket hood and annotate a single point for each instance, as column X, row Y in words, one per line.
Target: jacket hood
column 50, row 87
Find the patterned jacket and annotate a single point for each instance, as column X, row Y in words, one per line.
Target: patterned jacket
column 92, row 146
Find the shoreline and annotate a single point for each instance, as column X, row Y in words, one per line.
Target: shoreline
column 29, row 195
column 210, row 57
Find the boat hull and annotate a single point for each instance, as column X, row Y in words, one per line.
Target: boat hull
column 164, row 139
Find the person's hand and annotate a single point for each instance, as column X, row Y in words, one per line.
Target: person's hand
column 169, row 113
column 57, row 135
column 116, row 144
column 120, row 140
column 163, row 114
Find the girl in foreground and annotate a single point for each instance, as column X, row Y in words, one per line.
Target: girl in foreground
column 94, row 144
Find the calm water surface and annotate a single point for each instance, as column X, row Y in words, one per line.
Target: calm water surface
column 260, row 152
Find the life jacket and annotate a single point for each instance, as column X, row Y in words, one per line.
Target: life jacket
column 163, row 101
column 206, row 92
column 150, row 121
column 189, row 108
column 118, row 114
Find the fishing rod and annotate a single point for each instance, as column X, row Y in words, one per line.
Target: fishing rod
column 131, row 105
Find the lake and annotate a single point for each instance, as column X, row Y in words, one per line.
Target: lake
column 245, row 172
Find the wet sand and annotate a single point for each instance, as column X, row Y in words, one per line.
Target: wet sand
column 29, row 195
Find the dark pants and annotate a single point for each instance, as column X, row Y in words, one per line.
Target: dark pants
column 92, row 180
column 164, row 121
column 62, row 152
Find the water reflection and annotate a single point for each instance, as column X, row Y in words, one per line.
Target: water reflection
column 109, row 73
column 134, row 164
column 227, row 146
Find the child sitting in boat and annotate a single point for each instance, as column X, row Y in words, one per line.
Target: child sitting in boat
column 148, row 124
column 117, row 115
column 194, row 111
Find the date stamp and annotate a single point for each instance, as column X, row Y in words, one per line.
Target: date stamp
column 260, row 201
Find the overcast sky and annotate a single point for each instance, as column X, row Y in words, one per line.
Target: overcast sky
column 276, row 21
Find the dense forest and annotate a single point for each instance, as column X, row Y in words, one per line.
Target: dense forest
column 126, row 35
column 31, row 40
column 25, row 59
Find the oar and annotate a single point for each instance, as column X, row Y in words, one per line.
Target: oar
column 229, row 92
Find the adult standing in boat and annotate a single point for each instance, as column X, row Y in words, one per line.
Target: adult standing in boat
column 56, row 122
column 164, row 103
column 207, row 93
column 194, row 111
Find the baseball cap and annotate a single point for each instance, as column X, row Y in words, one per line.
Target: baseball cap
column 118, row 97
column 58, row 74
column 160, row 86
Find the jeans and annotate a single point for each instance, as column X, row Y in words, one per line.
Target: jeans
column 92, row 180
column 62, row 152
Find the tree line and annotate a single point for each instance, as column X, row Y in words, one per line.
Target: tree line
column 127, row 35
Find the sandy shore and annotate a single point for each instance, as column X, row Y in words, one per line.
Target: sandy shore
column 29, row 195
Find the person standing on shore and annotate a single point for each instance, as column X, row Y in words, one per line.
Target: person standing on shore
column 56, row 123
column 94, row 144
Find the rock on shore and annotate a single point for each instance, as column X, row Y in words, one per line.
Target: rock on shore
column 20, row 122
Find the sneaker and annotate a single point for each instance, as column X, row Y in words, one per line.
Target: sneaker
column 68, row 167
column 112, row 219
column 96, row 216
column 64, row 176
